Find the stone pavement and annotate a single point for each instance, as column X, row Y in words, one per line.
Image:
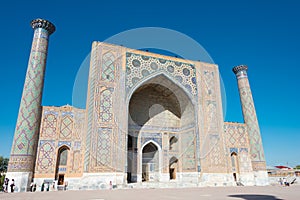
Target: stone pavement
column 238, row 193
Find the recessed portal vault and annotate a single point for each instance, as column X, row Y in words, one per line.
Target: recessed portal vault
column 158, row 107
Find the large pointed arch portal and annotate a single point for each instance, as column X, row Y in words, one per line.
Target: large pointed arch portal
column 158, row 109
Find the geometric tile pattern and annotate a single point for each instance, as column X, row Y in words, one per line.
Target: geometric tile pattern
column 104, row 147
column 215, row 154
column 139, row 67
column 26, row 133
column 77, row 161
column 209, row 83
column 188, row 152
column 79, row 125
column 105, row 110
column 250, row 118
column 233, row 150
column 66, row 127
column 211, row 141
column 91, row 107
column 46, row 156
column 101, row 93
column 237, row 142
column 67, row 144
column 252, row 124
column 244, row 162
column 50, row 124
column 105, row 143
column 108, row 67
column 68, row 135
column 236, row 135
column 212, row 116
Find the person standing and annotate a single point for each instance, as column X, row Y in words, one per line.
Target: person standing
column 6, row 180
column 284, row 181
column 110, row 185
column 280, row 181
column 43, row 186
column 12, row 185
column 31, row 186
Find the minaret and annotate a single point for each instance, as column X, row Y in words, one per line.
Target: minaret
column 23, row 152
column 250, row 118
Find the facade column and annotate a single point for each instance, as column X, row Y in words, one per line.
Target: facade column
column 250, row 119
column 23, row 152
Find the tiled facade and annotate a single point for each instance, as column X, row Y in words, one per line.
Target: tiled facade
column 60, row 127
column 148, row 118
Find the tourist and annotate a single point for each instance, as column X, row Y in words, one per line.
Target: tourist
column 43, row 186
column 110, row 185
column 31, row 186
column 47, row 186
column 34, row 187
column 280, row 181
column 66, row 185
column 5, row 188
column 285, row 182
column 12, row 185
column 53, row 186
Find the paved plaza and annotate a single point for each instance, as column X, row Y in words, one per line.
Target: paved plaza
column 246, row 193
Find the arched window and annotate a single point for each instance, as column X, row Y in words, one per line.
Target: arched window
column 63, row 156
column 172, row 141
column 61, row 164
column 234, row 162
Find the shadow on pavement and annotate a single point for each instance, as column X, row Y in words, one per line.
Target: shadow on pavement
column 254, row 197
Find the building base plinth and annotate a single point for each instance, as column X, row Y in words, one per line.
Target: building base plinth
column 261, row 178
column 22, row 180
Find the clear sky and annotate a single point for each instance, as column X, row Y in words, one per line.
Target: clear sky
column 261, row 34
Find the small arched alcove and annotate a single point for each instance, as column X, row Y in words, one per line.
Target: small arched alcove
column 172, row 141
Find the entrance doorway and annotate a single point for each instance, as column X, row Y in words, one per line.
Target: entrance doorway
column 150, row 162
column 234, row 165
column 61, row 163
column 173, row 168
column 61, row 179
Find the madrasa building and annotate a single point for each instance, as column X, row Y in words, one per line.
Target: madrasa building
column 150, row 121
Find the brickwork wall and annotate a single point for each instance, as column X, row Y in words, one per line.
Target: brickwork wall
column 60, row 126
column 105, row 139
column 210, row 119
column 237, row 141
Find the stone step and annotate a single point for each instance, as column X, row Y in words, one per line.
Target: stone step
column 161, row 185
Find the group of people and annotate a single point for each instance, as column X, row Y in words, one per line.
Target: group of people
column 284, row 182
column 6, row 183
column 32, row 187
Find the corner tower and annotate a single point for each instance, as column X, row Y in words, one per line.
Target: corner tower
column 250, row 119
column 23, row 152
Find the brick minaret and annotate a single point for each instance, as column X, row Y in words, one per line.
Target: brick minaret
column 250, row 118
column 23, row 151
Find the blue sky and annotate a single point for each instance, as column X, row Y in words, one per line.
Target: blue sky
column 262, row 34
